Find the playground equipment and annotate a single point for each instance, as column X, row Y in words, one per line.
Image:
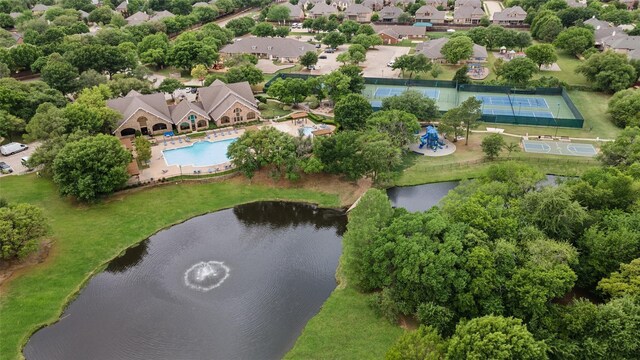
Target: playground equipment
column 431, row 139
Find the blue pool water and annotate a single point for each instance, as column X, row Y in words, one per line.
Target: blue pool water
column 307, row 130
column 203, row 153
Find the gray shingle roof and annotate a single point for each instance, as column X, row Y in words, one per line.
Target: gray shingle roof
column 40, row 7
column 474, row 3
column 322, row 8
column 390, row 12
column 218, row 97
column 295, row 12
column 153, row 103
column 429, row 11
column 357, row 9
column 404, row 30
column 278, row 47
column 510, row 13
column 468, row 12
column 373, row 4
column 200, row 4
column 137, row 18
column 432, row 49
column 180, row 111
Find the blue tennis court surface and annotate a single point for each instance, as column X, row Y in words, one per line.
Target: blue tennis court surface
column 382, row 92
column 559, row 148
column 513, row 101
column 538, row 114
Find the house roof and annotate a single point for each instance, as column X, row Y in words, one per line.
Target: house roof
column 622, row 41
column 152, row 103
column 436, row 3
column 15, row 15
column 597, row 24
column 218, row 97
column 576, row 3
column 200, row 4
column 468, row 12
column 294, row 11
column 357, row 9
column 511, row 13
column 404, row 30
column 403, row 2
column 634, row 54
column 390, row 12
column 185, row 107
column 122, row 5
column 323, row 9
column 432, row 49
column 430, row 11
column 16, row 36
column 373, row 4
column 83, row 14
column 161, row 15
column 474, row 3
column 40, row 7
column 279, row 47
column 389, row 32
column 137, row 18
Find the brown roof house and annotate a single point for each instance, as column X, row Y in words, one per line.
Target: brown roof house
column 436, row 3
column 295, row 11
column 270, row 48
column 432, row 50
column 39, row 9
column 322, row 9
column 224, row 104
column 428, row 13
column 467, row 15
column 390, row 14
column 510, row 16
column 359, row 13
column 392, row 34
column 577, row 3
column 474, row 3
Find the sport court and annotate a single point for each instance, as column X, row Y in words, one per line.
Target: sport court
column 559, row 148
column 533, row 106
column 444, row 97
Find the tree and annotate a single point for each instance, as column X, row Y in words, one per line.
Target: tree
column 436, row 70
column 48, row 122
column 624, row 108
column 281, row 31
column 336, row 85
column 451, row 124
column 352, row 111
column 422, row 344
column 356, row 79
column 349, row 28
column 118, row 20
column 624, row 152
column 154, row 49
column 492, row 145
column 169, row 85
column 575, row 40
column 367, row 41
column 521, row 39
column 89, row 112
column 205, row 14
column 511, row 148
column 278, row 13
column 187, row 54
column 334, row 39
column 263, row 29
column 21, row 227
column 401, row 126
column 469, row 112
column 542, row 54
column 461, row 76
column 518, row 71
column 60, row 75
column 456, row 49
column 412, row 63
column 199, row 72
column 90, row 78
column 289, row 91
column 143, row 149
column 10, row 124
column 608, row 71
column 379, row 155
column 248, row 73
column 91, row 167
column 404, row 18
column 624, row 282
column 101, row 15
column 494, row 337
column 412, row 102
column 309, row 58
column 547, row 28
column 240, row 26
column 23, row 55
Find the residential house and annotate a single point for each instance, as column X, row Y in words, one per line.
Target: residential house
column 467, row 15
column 630, row 3
column 428, row 13
column 39, row 9
column 17, row 37
column 15, row 15
column 83, row 14
column 137, row 18
column 295, row 12
column 161, row 15
column 390, row 14
column 341, row 4
column 432, row 50
column 96, row 3
column 220, row 103
column 510, row 16
column 375, row 5
column 392, row 34
column 122, row 7
column 577, row 3
column 306, row 4
column 622, row 43
column 200, row 4
column 474, row 3
column 436, row 3
column 271, row 48
column 359, row 13
column 322, row 9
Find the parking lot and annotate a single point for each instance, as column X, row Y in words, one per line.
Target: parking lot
column 14, row 160
column 374, row 66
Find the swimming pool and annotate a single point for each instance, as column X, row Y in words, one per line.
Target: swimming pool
column 203, row 153
column 308, row 130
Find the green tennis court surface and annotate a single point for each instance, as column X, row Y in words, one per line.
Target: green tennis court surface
column 559, row 148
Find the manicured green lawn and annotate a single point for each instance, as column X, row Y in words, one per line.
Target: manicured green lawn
column 274, row 109
column 86, row 237
column 345, row 328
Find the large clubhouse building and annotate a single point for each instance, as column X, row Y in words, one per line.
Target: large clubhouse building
column 219, row 103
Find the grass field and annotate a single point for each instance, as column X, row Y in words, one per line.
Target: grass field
column 86, row 237
column 345, row 328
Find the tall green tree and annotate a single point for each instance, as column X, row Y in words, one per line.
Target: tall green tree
column 492, row 145
column 91, row 167
column 412, row 102
column 575, row 40
column 608, row 71
column 248, row 73
column 422, row 344
column 624, row 108
column 623, row 282
column 542, row 54
column 352, row 111
column 21, row 227
column 289, row 91
column 401, row 126
column 60, row 75
column 518, row 71
column 457, row 49
column 309, row 58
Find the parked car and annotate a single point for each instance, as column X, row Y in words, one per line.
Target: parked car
column 194, row 90
column 451, row 30
column 5, row 168
column 391, row 63
column 329, row 50
column 318, row 46
column 12, row 148
column 311, row 67
column 25, row 162
column 322, row 57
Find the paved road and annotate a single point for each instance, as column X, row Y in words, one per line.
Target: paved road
column 248, row 12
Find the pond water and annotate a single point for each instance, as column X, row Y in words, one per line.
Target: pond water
column 235, row 284
column 419, row 197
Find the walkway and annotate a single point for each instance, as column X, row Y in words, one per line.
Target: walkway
column 492, row 7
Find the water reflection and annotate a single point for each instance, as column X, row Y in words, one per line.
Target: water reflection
column 131, row 257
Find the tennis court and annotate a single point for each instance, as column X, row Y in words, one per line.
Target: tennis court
column 445, row 97
column 559, row 148
column 383, row 92
column 539, row 114
column 513, row 100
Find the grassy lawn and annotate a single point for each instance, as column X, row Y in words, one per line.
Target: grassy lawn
column 345, row 328
column 86, row 237
column 274, row 109
column 467, row 162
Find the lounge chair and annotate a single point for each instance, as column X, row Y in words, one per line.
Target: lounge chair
column 187, row 139
column 180, row 140
column 195, row 171
column 215, row 134
column 164, row 171
column 210, row 171
column 229, row 132
column 173, row 142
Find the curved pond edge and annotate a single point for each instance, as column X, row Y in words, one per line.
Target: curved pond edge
column 100, row 268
